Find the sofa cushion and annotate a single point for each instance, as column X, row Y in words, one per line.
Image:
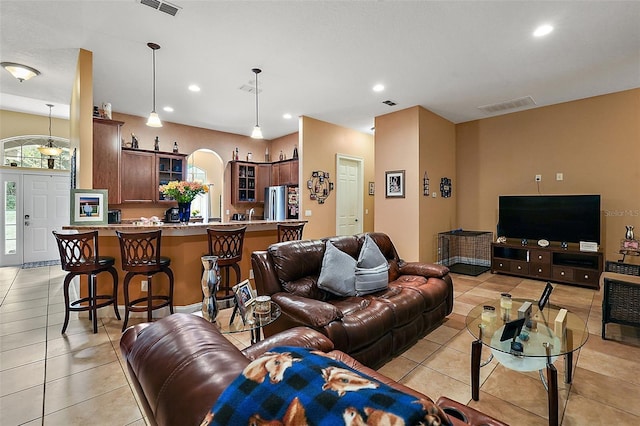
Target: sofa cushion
column 370, row 255
column 338, row 272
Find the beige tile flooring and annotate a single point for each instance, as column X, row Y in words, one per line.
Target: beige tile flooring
column 77, row 378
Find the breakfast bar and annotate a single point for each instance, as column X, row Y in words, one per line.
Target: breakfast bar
column 184, row 244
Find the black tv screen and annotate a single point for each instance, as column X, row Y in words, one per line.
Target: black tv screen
column 562, row 218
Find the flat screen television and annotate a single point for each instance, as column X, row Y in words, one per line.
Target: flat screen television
column 562, row 218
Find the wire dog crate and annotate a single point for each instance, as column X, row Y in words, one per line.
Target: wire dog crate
column 465, row 252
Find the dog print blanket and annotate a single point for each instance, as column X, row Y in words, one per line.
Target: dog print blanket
column 298, row 386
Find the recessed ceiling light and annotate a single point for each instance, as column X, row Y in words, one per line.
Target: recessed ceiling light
column 543, row 30
column 194, row 88
column 287, row 116
column 168, row 109
column 378, row 88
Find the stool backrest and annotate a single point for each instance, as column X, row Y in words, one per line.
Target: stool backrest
column 226, row 244
column 78, row 252
column 140, row 251
column 290, row 232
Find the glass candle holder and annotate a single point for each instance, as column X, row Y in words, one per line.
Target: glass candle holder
column 505, row 306
column 489, row 316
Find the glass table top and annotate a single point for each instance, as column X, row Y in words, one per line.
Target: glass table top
column 533, row 338
column 253, row 320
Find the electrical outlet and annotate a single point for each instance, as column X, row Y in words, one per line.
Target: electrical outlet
column 307, row 213
column 538, row 178
column 250, row 274
column 559, row 176
column 143, row 286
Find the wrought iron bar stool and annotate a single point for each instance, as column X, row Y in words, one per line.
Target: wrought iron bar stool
column 227, row 244
column 79, row 255
column 290, row 231
column 140, row 253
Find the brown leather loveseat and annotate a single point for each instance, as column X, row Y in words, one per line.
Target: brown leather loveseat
column 371, row 328
column 180, row 365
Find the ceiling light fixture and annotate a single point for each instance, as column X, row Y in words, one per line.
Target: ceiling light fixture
column 194, row 88
column 154, row 120
column 19, row 71
column 543, row 30
column 287, row 116
column 50, row 149
column 168, row 109
column 378, row 88
column 257, row 132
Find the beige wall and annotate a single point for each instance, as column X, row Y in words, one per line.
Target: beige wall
column 594, row 142
column 81, row 119
column 20, row 124
column 320, row 142
column 415, row 140
column 284, row 144
column 438, row 159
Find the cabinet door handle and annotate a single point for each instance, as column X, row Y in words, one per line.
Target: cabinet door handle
column 501, row 264
column 562, row 273
column 519, row 267
column 539, row 257
column 586, row 277
column 539, row 270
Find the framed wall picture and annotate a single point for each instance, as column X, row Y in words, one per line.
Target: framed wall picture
column 372, row 188
column 89, row 206
column 394, row 184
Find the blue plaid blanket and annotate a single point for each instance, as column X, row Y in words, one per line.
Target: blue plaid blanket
column 298, row 386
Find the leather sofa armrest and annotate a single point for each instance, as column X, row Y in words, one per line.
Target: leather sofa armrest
column 428, row 270
column 303, row 337
column 314, row 313
column 461, row 414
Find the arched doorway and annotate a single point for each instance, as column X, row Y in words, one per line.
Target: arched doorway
column 206, row 166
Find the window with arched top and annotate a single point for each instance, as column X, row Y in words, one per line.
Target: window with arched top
column 22, row 151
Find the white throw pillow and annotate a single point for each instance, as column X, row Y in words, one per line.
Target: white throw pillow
column 338, row 272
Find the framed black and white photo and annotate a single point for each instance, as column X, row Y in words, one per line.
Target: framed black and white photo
column 244, row 297
column 372, row 188
column 89, row 206
column 394, row 184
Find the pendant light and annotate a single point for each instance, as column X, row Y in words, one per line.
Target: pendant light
column 257, row 132
column 154, row 120
column 50, row 149
column 19, row 71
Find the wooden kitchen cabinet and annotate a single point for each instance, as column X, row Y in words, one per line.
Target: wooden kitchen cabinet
column 244, row 178
column 138, row 184
column 106, row 157
column 169, row 168
column 264, row 180
column 284, row 173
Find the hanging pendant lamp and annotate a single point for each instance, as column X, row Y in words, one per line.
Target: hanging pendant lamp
column 257, row 132
column 50, row 149
column 154, row 120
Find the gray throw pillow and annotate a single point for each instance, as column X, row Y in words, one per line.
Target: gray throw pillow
column 337, row 274
column 370, row 255
column 370, row 280
column 372, row 269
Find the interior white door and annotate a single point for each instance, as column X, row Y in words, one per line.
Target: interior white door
column 349, row 195
column 46, row 208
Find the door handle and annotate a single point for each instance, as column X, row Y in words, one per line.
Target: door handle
column 26, row 220
column 356, row 220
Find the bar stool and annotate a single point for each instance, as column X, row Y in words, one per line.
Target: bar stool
column 79, row 256
column 227, row 245
column 141, row 256
column 290, row 231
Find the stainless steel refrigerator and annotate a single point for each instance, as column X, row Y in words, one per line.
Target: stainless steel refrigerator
column 275, row 202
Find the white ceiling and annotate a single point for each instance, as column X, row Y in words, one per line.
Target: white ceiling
column 319, row 58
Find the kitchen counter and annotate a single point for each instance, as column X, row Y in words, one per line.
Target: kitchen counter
column 184, row 244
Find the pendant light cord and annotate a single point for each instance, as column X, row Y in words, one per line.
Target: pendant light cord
column 257, row 120
column 154, row 80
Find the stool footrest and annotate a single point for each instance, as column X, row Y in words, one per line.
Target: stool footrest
column 109, row 300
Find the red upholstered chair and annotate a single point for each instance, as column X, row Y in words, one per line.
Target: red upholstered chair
column 79, row 255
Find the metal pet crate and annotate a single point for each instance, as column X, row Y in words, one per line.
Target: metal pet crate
column 465, row 252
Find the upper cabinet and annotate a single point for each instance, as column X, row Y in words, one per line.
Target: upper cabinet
column 244, row 178
column 284, row 173
column 106, row 157
column 143, row 171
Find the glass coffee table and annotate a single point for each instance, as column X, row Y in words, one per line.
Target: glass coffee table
column 252, row 322
column 539, row 347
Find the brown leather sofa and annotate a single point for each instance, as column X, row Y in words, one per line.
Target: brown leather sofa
column 181, row 364
column 371, row 328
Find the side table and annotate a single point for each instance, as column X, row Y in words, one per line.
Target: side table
column 621, row 299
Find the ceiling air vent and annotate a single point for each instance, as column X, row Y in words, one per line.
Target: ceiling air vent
column 162, row 6
column 390, row 103
column 526, row 101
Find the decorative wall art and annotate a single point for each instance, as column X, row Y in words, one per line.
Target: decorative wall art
column 394, row 184
column 319, row 186
column 445, row 187
column 425, row 185
column 89, row 206
column 372, row 188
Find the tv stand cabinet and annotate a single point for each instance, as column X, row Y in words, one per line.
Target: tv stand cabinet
column 552, row 263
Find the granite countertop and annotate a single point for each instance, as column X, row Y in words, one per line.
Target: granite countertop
column 252, row 225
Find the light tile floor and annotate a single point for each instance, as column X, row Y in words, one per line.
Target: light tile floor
column 51, row 379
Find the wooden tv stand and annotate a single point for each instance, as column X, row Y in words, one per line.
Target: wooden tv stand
column 552, row 263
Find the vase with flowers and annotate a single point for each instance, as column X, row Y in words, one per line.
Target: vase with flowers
column 183, row 192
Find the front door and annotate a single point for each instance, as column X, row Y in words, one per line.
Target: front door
column 349, row 195
column 33, row 205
